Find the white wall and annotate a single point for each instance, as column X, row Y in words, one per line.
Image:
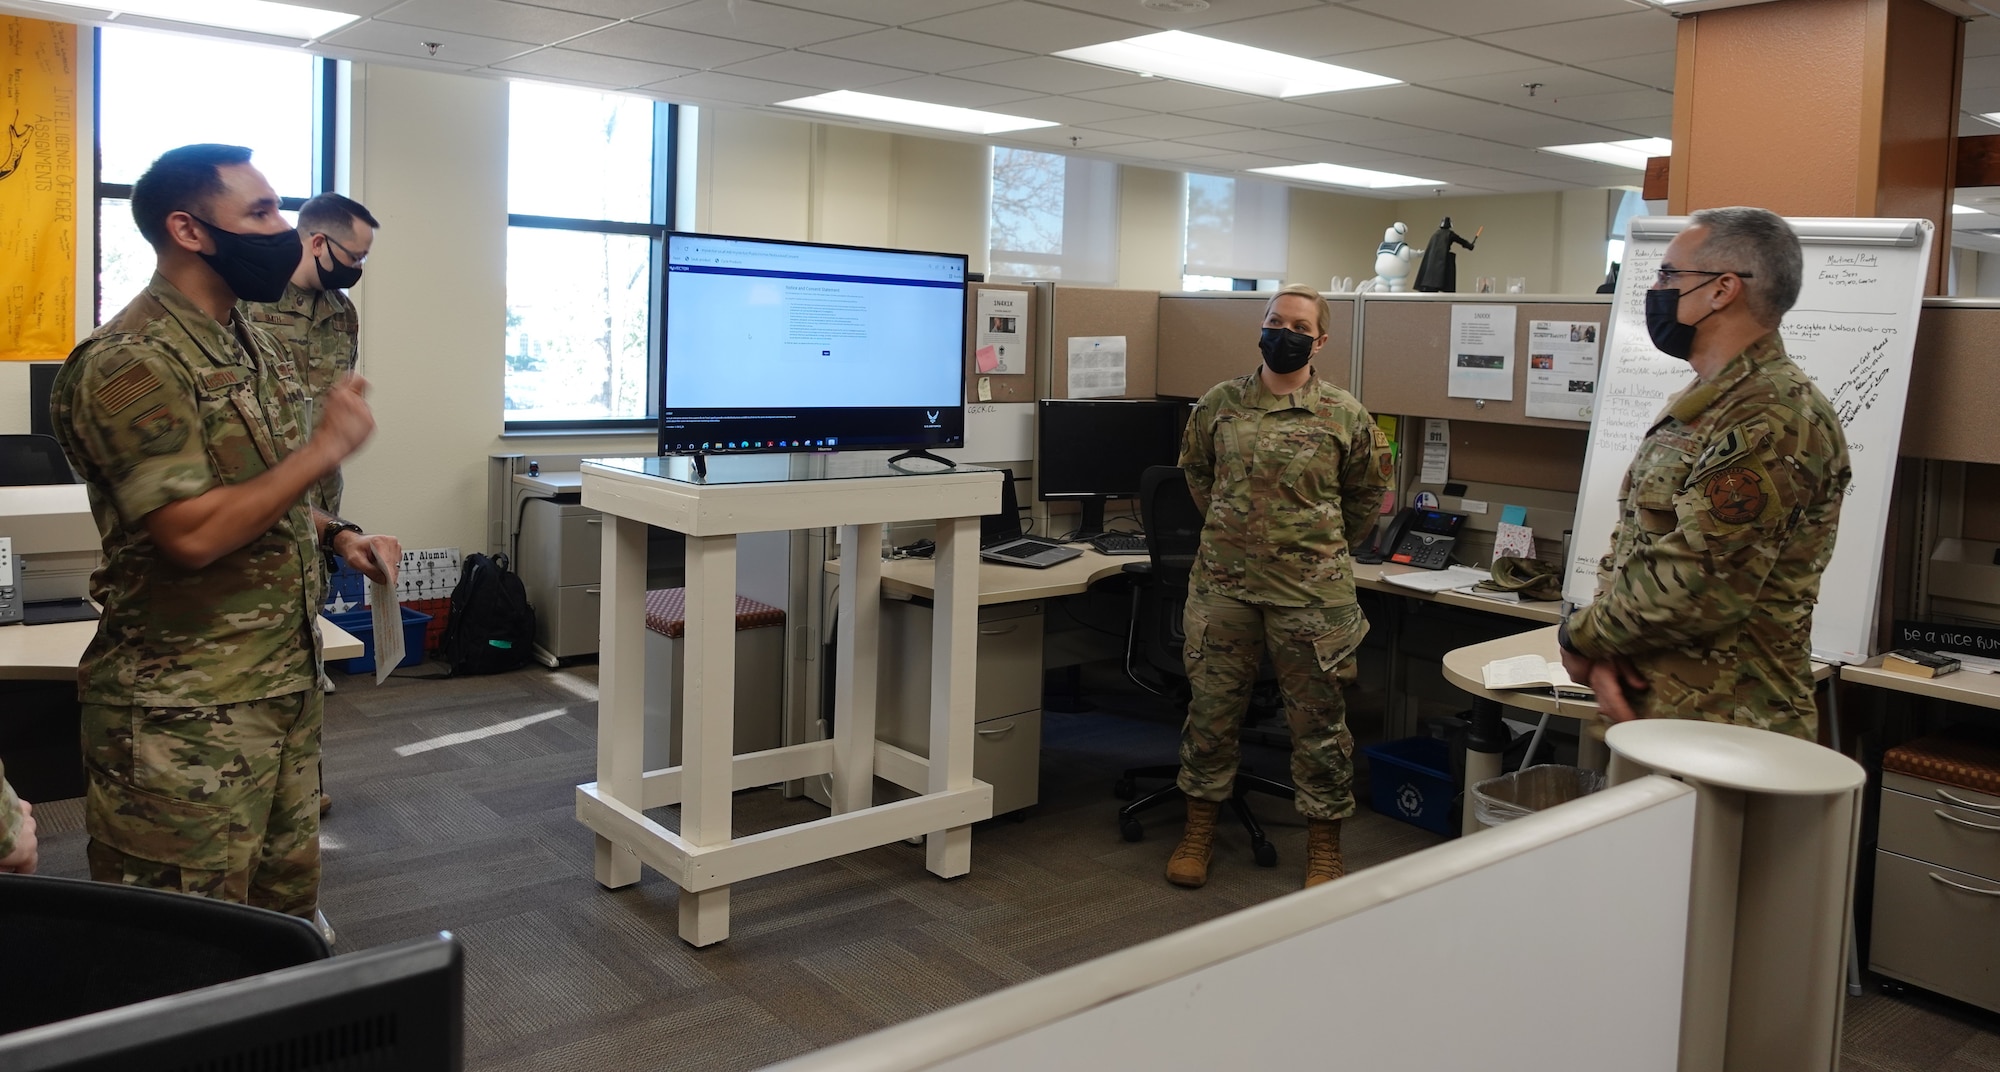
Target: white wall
column 1553, row 240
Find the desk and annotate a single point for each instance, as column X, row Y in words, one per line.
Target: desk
column 1965, row 686
column 52, row 652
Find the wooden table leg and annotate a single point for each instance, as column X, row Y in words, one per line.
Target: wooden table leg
column 621, row 687
column 855, row 670
column 708, row 726
column 954, row 660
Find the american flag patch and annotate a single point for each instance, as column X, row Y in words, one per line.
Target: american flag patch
column 129, row 386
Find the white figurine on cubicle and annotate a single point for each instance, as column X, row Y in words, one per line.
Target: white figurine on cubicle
column 1392, row 259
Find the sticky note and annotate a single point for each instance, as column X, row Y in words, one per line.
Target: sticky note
column 1514, row 515
column 985, row 389
column 988, row 357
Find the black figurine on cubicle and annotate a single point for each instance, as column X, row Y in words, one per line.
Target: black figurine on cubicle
column 1439, row 272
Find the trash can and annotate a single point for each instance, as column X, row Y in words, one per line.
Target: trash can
column 1529, row 790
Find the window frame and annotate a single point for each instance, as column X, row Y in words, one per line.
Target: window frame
column 665, row 189
column 325, row 166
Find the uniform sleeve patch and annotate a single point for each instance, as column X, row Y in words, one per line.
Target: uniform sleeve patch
column 121, row 391
column 1736, row 496
column 159, row 431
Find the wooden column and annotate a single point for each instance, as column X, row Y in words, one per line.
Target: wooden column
column 1820, row 108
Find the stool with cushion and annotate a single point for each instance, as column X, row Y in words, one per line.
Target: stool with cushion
column 760, row 675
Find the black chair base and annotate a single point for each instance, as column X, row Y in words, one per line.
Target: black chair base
column 1247, row 782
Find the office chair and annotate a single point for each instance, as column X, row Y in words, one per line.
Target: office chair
column 76, row 947
column 1154, row 642
column 33, row 459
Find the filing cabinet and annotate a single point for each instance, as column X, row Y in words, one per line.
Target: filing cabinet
column 1007, row 698
column 561, row 549
column 1937, row 889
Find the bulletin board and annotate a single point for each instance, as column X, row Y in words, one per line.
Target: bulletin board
column 1094, row 311
column 1405, row 340
column 1015, row 385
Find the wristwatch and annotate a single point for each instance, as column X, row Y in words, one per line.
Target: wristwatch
column 326, row 537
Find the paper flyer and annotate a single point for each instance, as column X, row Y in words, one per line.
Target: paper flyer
column 1481, row 353
column 997, row 345
column 387, row 617
column 1437, row 452
column 1562, row 369
column 1097, row 366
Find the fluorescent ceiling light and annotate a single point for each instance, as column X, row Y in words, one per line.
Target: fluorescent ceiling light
column 1961, row 210
column 1627, row 154
column 257, row 16
column 1342, row 175
column 1991, row 117
column 1225, row 65
column 915, row 113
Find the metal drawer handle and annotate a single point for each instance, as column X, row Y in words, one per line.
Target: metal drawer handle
column 1974, row 805
column 593, row 591
column 594, row 519
column 1007, row 729
column 983, row 631
column 1950, row 818
column 1962, row 886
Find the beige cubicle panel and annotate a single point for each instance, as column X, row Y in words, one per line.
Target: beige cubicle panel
column 1078, row 312
column 1547, row 458
column 1208, row 338
column 1953, row 391
column 1017, row 386
column 1405, row 351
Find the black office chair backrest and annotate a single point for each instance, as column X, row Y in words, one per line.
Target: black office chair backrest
column 73, row 947
column 33, row 459
column 1173, row 524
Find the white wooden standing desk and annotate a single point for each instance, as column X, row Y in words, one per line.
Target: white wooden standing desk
column 768, row 493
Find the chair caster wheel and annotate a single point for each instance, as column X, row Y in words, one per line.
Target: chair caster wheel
column 1130, row 828
column 1265, row 852
column 1124, row 789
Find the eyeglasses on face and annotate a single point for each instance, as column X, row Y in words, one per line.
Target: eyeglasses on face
column 352, row 259
column 1665, row 276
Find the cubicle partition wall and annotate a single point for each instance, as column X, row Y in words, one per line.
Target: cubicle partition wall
column 1208, row 338
column 1944, row 505
column 1018, row 382
column 1406, row 351
column 1089, row 312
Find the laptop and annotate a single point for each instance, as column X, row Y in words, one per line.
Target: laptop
column 1000, row 538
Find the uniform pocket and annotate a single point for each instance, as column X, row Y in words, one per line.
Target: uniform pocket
column 1345, row 628
column 1195, row 627
column 163, row 829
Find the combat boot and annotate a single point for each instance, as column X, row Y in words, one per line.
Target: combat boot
column 1323, row 851
column 1188, row 866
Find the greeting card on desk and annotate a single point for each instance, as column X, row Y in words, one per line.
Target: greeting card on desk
column 1528, row 672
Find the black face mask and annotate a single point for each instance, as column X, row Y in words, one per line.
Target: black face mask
column 340, row 276
column 256, row 266
column 1663, row 322
column 1285, row 350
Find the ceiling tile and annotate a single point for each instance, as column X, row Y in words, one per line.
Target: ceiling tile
column 750, row 20
column 886, row 12
column 1069, row 110
column 1982, row 37
column 1242, row 162
column 1552, row 83
column 921, row 52
column 494, row 18
column 1163, row 126
column 1467, row 17
column 1321, row 31
column 1648, row 127
column 1226, row 11
column 363, row 55
column 1030, row 27
column 826, row 72
column 1166, row 95
column 1165, row 150
column 1605, row 107
column 1609, row 37
column 656, row 44
column 956, row 92
column 398, row 40
column 1351, row 128
column 1048, row 74
column 1653, row 69
column 1260, row 114
column 1060, row 138
column 1251, row 141
column 1429, row 60
column 1981, row 72
column 584, row 68
column 611, row 9
column 710, row 86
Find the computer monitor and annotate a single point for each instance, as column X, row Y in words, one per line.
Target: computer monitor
column 1093, row 450
column 395, row 1008
column 787, row 347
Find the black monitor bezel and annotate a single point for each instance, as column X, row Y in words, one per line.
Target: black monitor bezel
column 1042, row 408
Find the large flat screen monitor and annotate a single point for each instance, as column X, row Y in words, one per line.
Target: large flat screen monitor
column 1093, row 450
column 799, row 346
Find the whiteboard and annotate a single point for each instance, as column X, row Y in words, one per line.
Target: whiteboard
column 1852, row 331
column 1554, row 943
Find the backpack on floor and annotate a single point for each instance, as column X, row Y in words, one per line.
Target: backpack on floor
column 492, row 624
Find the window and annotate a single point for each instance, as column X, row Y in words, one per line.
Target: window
column 157, row 91
column 1236, row 233
column 589, row 203
column 1053, row 217
column 1627, row 206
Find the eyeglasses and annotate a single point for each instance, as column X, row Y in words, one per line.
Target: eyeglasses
column 1666, row 275
column 351, row 258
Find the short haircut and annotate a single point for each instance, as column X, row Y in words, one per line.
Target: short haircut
column 181, row 180
column 1757, row 243
column 1320, row 308
column 332, row 212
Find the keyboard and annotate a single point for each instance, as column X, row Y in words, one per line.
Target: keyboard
column 1119, row 543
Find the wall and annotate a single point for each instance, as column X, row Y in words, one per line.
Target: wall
column 1335, row 235
column 1554, row 240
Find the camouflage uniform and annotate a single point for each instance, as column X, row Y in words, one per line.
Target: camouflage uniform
column 200, row 713
column 1284, row 486
column 319, row 330
column 1726, row 520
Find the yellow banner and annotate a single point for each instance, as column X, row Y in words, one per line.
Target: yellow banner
column 37, row 189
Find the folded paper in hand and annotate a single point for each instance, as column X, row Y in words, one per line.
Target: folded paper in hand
column 387, row 618
column 1528, row 672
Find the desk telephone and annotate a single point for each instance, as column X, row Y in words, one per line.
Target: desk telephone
column 1416, row 538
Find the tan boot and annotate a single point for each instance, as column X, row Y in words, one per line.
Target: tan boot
column 1323, row 851
column 1188, row 866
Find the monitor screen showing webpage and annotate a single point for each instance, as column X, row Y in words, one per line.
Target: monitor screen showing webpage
column 798, row 346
